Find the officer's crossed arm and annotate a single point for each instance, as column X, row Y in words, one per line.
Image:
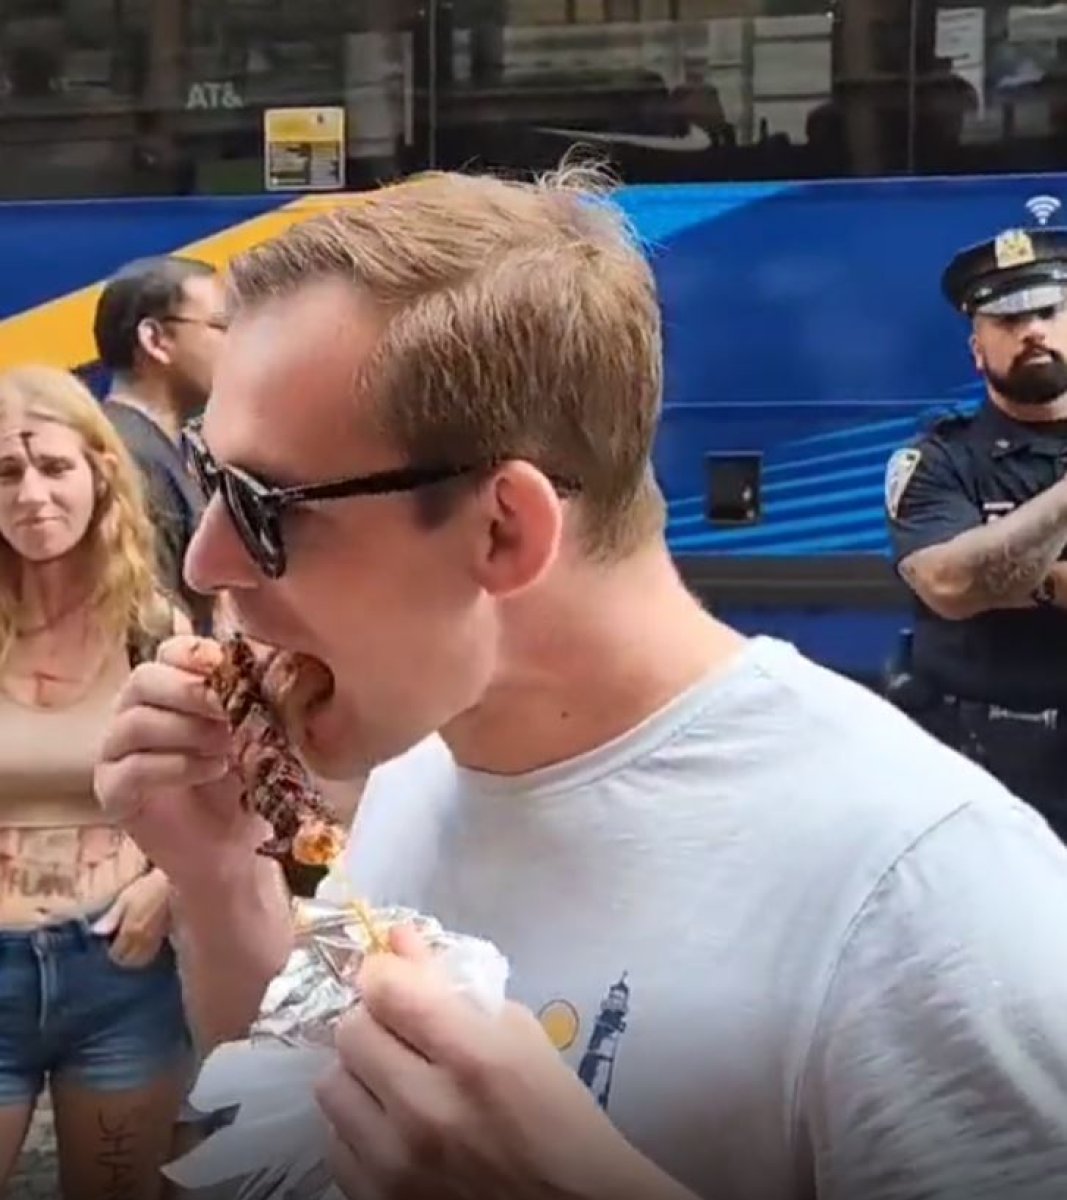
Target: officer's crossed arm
column 957, row 565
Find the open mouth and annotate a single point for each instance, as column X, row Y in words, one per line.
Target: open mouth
column 299, row 684
column 300, row 687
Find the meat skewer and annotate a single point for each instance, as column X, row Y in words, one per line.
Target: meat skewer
column 276, row 784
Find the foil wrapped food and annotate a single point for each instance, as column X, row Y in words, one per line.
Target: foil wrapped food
column 276, row 1143
column 318, row 985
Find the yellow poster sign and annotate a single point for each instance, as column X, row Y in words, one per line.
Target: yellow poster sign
column 303, row 149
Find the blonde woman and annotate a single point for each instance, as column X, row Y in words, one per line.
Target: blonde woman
column 90, row 1004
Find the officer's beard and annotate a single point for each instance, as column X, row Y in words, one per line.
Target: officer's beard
column 1031, row 381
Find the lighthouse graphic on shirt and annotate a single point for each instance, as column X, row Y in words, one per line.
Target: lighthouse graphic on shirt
column 598, row 1062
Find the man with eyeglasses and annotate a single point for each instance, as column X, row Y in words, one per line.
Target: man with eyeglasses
column 158, row 329
column 767, row 938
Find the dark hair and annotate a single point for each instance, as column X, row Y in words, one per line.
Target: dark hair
column 145, row 288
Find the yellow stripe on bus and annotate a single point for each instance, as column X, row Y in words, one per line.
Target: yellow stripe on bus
column 59, row 332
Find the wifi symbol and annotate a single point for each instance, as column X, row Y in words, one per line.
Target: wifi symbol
column 1041, row 208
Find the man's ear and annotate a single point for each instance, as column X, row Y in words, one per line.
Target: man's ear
column 522, row 521
column 152, row 339
column 976, row 353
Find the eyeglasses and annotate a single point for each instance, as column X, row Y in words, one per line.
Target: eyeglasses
column 219, row 324
column 256, row 508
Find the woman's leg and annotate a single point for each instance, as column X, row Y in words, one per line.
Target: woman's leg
column 121, row 1068
column 113, row 1144
column 22, row 1050
column 14, row 1125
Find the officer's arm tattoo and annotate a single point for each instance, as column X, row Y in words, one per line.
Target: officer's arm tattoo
column 1002, row 564
column 1017, row 560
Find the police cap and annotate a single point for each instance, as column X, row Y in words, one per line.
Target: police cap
column 1018, row 271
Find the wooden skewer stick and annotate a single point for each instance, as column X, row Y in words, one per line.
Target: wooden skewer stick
column 378, row 942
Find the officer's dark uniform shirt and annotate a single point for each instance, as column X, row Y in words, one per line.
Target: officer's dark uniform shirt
column 968, row 471
column 174, row 501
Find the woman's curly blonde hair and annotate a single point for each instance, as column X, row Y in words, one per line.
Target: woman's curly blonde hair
column 126, row 596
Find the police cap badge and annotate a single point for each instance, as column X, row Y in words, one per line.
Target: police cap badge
column 1013, row 248
column 1018, row 271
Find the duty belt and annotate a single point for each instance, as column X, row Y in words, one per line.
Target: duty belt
column 1048, row 718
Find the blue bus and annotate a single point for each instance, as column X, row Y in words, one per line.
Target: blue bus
column 799, row 171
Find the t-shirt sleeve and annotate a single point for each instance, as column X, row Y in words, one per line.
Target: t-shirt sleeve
column 939, row 1063
column 926, row 500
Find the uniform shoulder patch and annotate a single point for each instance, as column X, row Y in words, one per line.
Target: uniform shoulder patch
column 898, row 472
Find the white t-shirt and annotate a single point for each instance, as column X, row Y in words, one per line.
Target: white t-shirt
column 794, row 945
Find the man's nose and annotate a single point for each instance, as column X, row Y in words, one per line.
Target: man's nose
column 1035, row 325
column 1033, row 336
column 216, row 559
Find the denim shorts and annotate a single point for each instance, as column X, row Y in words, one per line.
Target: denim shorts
column 69, row 1013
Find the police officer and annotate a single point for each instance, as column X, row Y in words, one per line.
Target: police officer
column 977, row 512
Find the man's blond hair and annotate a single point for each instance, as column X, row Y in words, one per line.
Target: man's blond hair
column 521, row 322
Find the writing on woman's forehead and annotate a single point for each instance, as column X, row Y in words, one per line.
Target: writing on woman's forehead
column 38, row 436
column 25, row 439
column 10, row 441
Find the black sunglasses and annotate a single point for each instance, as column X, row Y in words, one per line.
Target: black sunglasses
column 256, row 507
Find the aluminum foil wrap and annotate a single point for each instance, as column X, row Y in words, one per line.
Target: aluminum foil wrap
column 317, row 987
column 276, row 1144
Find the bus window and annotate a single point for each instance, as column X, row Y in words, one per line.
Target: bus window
column 688, row 91
column 991, row 89
column 103, row 98
column 697, row 90
column 164, row 97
